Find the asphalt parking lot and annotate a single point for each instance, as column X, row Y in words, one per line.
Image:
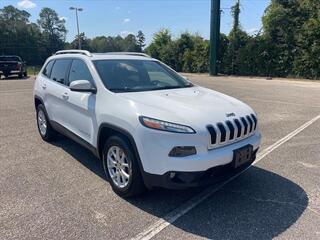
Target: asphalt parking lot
column 58, row 191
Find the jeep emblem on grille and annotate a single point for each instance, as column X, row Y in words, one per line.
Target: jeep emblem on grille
column 230, row 114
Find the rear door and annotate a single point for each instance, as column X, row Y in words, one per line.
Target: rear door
column 80, row 106
column 56, row 91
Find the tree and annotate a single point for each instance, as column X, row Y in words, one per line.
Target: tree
column 237, row 40
column 53, row 30
column 18, row 36
column 282, row 21
column 85, row 42
column 307, row 60
column 141, row 40
column 160, row 40
column 130, row 44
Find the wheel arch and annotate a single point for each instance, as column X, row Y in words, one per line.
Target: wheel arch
column 107, row 130
column 37, row 101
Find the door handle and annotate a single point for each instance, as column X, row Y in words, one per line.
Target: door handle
column 65, row 96
column 44, row 86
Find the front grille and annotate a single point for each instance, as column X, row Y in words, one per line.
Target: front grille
column 232, row 130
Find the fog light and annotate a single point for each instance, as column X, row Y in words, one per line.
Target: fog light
column 182, row 151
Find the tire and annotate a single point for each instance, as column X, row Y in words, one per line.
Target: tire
column 133, row 186
column 20, row 75
column 46, row 132
column 25, row 74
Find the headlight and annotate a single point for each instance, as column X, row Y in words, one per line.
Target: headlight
column 165, row 126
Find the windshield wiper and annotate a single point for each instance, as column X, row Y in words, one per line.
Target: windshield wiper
column 125, row 89
column 172, row 87
column 121, row 90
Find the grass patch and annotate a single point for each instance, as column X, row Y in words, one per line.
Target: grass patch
column 33, row 70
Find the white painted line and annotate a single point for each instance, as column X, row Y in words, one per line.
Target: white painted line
column 162, row 223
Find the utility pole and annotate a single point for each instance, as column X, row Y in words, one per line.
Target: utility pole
column 214, row 36
column 77, row 9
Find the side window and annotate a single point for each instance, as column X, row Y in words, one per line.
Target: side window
column 47, row 70
column 59, row 70
column 79, row 71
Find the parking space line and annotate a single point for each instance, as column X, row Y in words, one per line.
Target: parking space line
column 167, row 220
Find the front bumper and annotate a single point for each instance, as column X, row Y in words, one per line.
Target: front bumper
column 182, row 180
column 154, row 146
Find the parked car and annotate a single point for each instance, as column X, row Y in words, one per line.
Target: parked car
column 150, row 126
column 12, row 65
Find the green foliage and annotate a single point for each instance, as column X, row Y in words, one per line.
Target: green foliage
column 17, row 34
column 141, row 40
column 287, row 45
column 307, row 57
column 114, row 44
column 53, row 31
column 188, row 53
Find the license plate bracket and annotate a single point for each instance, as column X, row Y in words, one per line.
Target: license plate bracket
column 242, row 155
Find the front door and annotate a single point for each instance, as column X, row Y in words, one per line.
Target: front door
column 79, row 116
column 56, row 89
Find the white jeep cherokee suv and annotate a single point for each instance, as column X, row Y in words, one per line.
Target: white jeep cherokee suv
column 149, row 125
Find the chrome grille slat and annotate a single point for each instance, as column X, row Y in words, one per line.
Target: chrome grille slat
column 239, row 127
column 242, row 128
column 235, row 129
column 213, row 134
column 223, row 132
column 255, row 121
column 245, row 123
column 231, row 130
column 230, row 126
column 250, row 123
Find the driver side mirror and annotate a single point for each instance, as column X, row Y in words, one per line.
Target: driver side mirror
column 82, row 86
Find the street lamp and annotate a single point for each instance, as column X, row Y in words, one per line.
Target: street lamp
column 77, row 9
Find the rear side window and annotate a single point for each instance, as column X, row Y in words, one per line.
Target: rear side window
column 79, row 71
column 59, row 70
column 47, row 70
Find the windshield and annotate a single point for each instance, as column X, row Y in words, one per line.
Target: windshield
column 138, row 75
column 9, row 59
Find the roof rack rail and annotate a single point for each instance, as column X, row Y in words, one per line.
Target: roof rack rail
column 129, row 53
column 74, row 51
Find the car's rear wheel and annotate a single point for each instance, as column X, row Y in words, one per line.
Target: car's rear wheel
column 47, row 133
column 121, row 167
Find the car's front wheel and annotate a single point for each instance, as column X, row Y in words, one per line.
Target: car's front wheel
column 47, row 133
column 121, row 167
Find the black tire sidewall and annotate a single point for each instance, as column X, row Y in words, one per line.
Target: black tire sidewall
column 49, row 133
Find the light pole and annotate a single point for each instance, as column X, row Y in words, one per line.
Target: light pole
column 77, row 9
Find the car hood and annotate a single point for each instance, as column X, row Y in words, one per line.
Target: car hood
column 189, row 106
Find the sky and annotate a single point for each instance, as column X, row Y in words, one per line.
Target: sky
column 113, row 17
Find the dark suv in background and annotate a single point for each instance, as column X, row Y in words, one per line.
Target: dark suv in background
column 12, row 65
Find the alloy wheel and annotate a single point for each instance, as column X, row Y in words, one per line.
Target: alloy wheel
column 119, row 166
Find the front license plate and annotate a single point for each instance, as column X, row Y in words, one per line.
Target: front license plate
column 242, row 155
